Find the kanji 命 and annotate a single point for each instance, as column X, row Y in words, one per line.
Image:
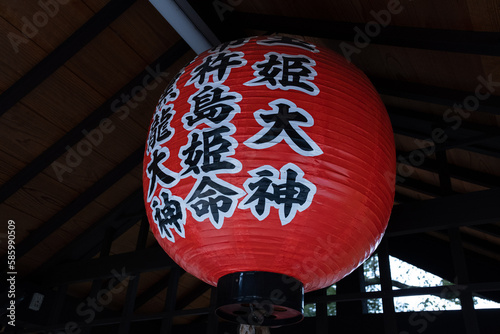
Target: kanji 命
column 289, row 194
column 281, row 71
column 284, row 122
column 214, row 199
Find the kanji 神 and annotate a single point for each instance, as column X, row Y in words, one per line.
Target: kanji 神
column 216, row 65
column 207, row 151
column 160, row 130
column 170, row 215
column 211, row 105
column 158, row 173
column 214, row 199
column 285, row 72
column 284, row 122
column 289, row 41
column 227, row 45
column 289, row 194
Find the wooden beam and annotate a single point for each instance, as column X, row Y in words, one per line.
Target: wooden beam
column 433, row 94
column 461, row 41
column 389, row 314
column 87, row 244
column 456, row 172
column 170, row 298
column 469, row 136
column 480, row 207
column 81, row 37
column 37, row 236
column 118, row 266
column 434, row 290
column 152, row 291
column 192, row 295
column 418, row 186
column 77, row 133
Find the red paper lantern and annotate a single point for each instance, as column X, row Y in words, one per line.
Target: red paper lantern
column 269, row 155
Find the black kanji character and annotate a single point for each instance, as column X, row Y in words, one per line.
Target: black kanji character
column 285, row 72
column 208, row 150
column 211, row 105
column 296, row 72
column 160, row 130
column 218, row 66
column 170, row 215
column 157, row 173
column 227, row 45
column 171, row 92
column 214, row 199
column 283, row 122
column 260, row 190
column 268, row 71
column 289, row 41
column 289, row 194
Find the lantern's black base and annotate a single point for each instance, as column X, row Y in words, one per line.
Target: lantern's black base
column 260, row 298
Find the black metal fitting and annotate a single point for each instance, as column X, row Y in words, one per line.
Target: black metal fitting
column 260, row 298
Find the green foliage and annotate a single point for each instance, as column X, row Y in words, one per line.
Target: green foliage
column 310, row 310
column 331, row 308
column 332, row 290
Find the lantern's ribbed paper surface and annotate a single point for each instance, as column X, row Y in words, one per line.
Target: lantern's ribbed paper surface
column 270, row 154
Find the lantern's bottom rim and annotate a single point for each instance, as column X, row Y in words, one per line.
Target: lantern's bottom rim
column 260, row 298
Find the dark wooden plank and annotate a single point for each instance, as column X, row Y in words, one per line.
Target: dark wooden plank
column 456, row 172
column 418, row 186
column 79, row 203
column 471, row 137
column 106, row 63
column 98, row 284
column 350, row 284
column 87, row 244
column 459, row 263
column 445, row 212
column 152, row 291
column 25, row 134
column 434, row 94
column 213, row 320
column 473, row 42
column 77, row 133
column 156, row 34
column 170, row 299
column 119, row 266
column 434, row 290
column 61, row 54
column 192, row 295
column 128, row 308
column 390, row 324
column 321, row 315
column 115, row 320
column 444, row 173
column 131, row 297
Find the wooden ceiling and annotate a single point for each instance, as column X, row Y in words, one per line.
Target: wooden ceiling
column 80, row 80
